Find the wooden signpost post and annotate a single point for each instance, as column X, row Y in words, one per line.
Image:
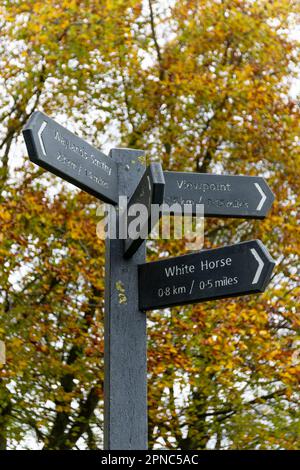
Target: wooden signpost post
column 133, row 286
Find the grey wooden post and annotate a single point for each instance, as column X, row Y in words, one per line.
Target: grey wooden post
column 125, row 349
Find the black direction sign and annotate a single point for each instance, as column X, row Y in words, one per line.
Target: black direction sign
column 222, row 195
column 58, row 150
column 149, row 191
column 244, row 268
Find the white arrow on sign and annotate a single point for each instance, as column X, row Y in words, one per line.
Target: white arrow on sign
column 41, row 129
column 263, row 197
column 260, row 266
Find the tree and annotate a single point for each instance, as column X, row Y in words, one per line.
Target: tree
column 203, row 86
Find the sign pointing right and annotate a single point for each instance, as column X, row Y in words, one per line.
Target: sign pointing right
column 222, row 195
column 230, row 271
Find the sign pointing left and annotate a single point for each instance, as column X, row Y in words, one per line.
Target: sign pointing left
column 58, row 150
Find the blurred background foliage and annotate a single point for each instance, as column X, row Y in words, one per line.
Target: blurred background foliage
column 201, row 85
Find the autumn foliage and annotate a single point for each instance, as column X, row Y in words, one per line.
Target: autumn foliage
column 201, row 85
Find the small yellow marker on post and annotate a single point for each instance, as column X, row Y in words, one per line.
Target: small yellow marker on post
column 2, row 353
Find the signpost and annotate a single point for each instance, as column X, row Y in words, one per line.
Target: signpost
column 244, row 268
column 133, row 286
column 58, row 150
column 222, row 195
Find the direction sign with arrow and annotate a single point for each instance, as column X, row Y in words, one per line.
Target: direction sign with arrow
column 58, row 150
column 222, row 195
column 244, row 268
column 149, row 191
